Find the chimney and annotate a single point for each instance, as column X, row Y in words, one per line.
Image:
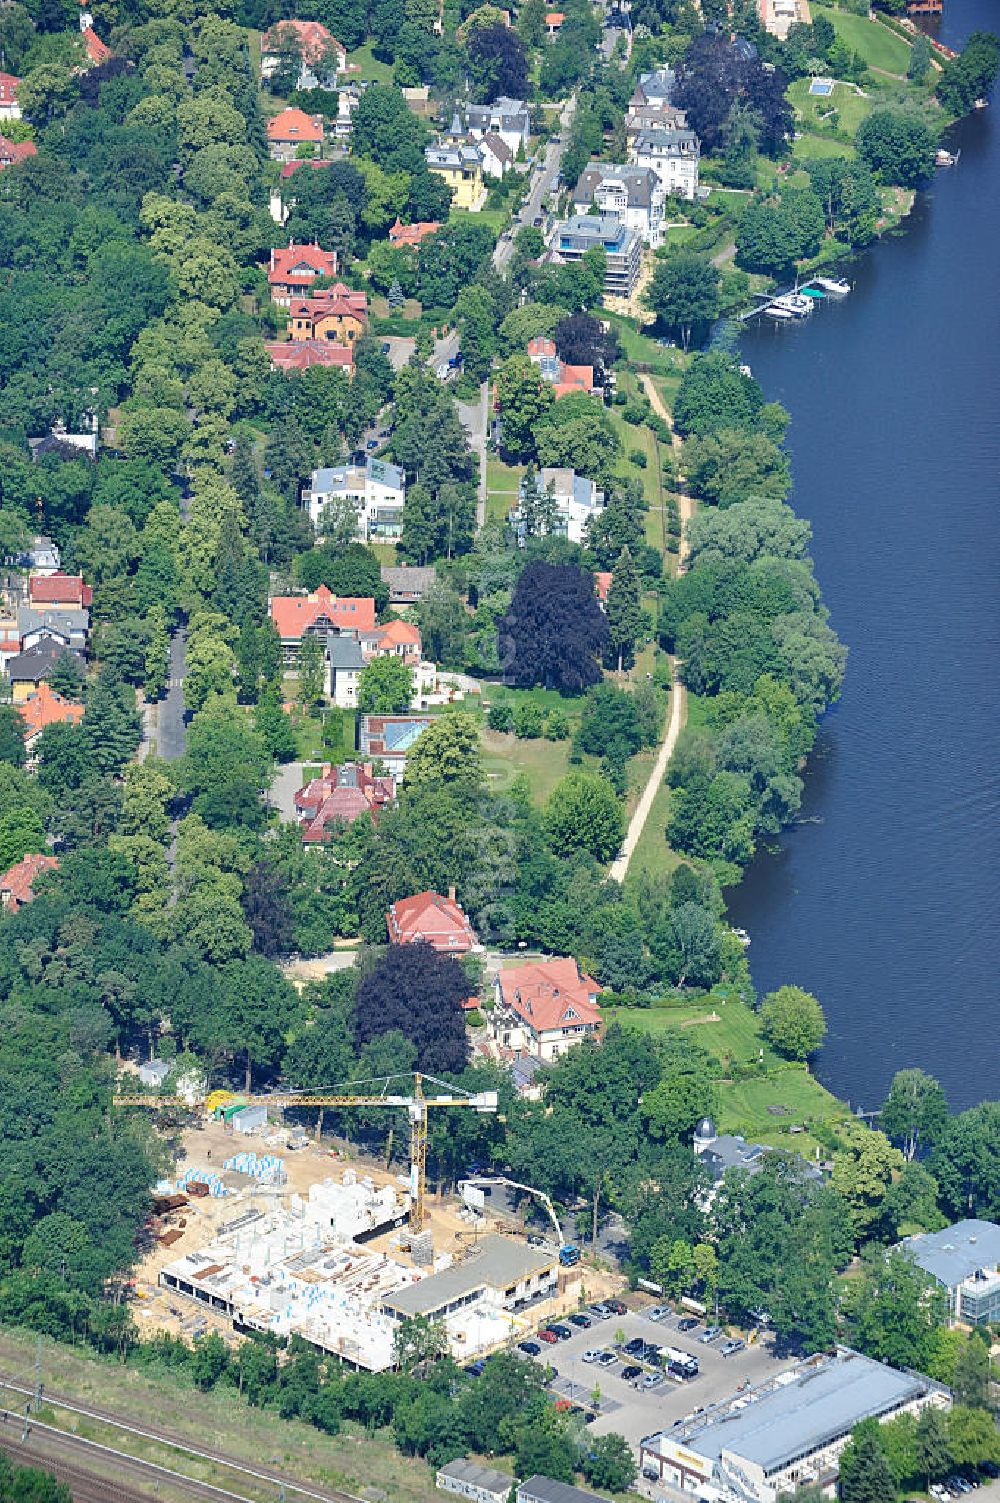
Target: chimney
column 451, row 893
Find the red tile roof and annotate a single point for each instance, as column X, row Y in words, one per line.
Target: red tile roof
column 16, row 883
column 295, row 614
column 300, row 265
column 60, row 589
column 46, row 707
column 324, row 799
column 8, row 88
column 312, row 38
column 541, row 347
column 555, row 18
column 602, row 583
column 97, row 51
column 12, row 152
column 574, row 378
column 411, row 234
column 300, row 355
column 398, row 634
column 295, row 125
column 429, row 916
column 338, row 299
column 550, row 994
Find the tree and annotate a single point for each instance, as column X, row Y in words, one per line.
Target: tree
column 111, row 725
column 523, row 397
column 12, row 729
column 311, row 671
column 67, row 677
column 447, row 755
column 920, row 58
column 583, row 814
column 497, row 62
column 714, row 393
column 971, row 76
column 863, row 1172
column 898, row 148
column 792, row 1021
column 966, row 1163
column 577, row 434
column 732, row 464
column 684, row 292
column 892, row 1311
column 773, row 235
column 417, row 992
column 915, row 1111
column 971, row 1383
column 624, row 611
column 418, row 1342
column 687, row 946
column 385, row 687
column 972, row 1437
column 933, row 1452
column 609, row 1463
column 554, row 631
column 255, row 1006
column 865, row 1475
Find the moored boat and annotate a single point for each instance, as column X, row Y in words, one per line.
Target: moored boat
column 835, row 286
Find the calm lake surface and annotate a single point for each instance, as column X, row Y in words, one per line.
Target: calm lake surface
column 883, row 901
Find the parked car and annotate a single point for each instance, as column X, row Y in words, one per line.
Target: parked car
column 652, row 1380
column 658, row 1312
column 635, row 1346
column 607, row 1359
column 601, row 1311
column 546, row 1335
column 372, row 444
column 386, row 347
column 563, row 1332
column 687, row 1324
column 709, row 1334
column 616, row 1307
column 631, row 1372
column 537, row 221
column 531, row 1348
column 592, row 1354
column 475, row 1369
column 730, row 1348
column 535, row 1239
column 581, row 1321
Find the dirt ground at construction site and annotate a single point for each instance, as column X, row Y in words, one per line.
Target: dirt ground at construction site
column 200, row 1221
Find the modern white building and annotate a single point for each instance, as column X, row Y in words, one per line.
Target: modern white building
column 376, row 489
column 964, row 1259
column 467, row 1479
column 787, row 1433
column 577, row 499
column 622, row 248
column 673, row 155
column 633, row 195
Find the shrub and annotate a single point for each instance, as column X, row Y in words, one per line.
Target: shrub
column 501, row 716
column 528, row 720
column 638, row 457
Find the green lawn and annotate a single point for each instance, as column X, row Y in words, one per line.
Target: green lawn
column 370, row 67
column 810, row 109
column 502, row 482
column 639, row 346
column 777, row 1108
column 679, row 234
column 880, row 47
column 543, row 763
column 811, row 145
column 497, row 219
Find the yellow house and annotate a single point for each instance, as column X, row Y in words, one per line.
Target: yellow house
column 462, row 169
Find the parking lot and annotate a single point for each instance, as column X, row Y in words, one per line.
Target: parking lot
column 637, row 1412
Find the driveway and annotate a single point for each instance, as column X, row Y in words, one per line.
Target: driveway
column 637, row 1413
column 281, row 796
column 475, row 421
column 171, row 731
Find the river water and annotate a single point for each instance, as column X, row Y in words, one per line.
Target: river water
column 882, row 901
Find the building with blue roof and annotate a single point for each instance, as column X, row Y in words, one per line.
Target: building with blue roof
column 965, row 1260
column 787, row 1433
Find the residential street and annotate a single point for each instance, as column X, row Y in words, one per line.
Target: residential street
column 544, row 179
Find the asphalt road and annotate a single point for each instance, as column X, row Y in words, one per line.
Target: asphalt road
column 636, row 1413
column 544, row 179
column 171, row 732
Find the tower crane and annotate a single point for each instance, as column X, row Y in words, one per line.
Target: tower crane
column 416, row 1103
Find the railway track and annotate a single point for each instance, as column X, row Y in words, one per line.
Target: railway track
column 256, row 1471
column 94, row 1475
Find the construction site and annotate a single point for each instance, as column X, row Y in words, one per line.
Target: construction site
column 263, row 1229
